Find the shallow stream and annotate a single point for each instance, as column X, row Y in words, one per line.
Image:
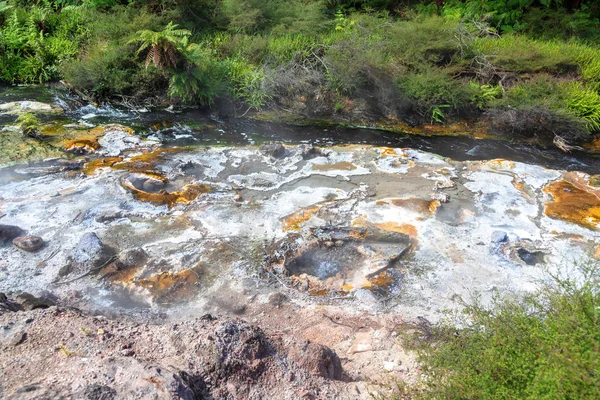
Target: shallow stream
column 187, row 206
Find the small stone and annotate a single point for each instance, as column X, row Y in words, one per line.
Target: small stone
column 499, row 237
column 127, row 352
column 28, row 243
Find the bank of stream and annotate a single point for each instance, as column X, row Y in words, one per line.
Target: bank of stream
column 332, row 234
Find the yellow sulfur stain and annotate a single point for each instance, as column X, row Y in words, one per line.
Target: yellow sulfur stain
column 91, row 167
column 186, row 195
column 342, row 165
column 293, row 221
column 389, row 152
column 168, row 286
column 597, row 252
column 380, row 280
column 572, row 204
column 406, row 229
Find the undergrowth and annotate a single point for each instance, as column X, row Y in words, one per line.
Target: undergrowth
column 544, row 345
column 423, row 63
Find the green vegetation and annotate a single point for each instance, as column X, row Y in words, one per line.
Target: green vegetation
column 543, row 346
column 533, row 62
column 29, row 124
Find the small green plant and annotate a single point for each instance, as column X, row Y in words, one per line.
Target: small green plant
column 29, row 124
column 484, row 94
column 438, row 114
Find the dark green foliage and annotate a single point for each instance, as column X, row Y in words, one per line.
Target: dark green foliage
column 543, row 346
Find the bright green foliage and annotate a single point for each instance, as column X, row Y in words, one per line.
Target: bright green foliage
column 521, row 54
column 543, row 346
column 34, row 43
column 569, row 97
column 161, row 46
column 29, row 124
column 585, row 104
column 200, row 81
column 483, row 95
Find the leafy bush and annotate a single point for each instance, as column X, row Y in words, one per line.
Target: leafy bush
column 541, row 346
column 435, row 88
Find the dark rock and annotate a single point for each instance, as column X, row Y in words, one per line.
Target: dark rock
column 111, row 215
column 29, row 302
column 28, row 243
column 99, row 392
column 134, row 258
column 9, row 232
column 309, row 151
column 275, row 150
column 317, row 359
column 531, row 257
column 7, row 305
column 89, row 255
column 499, row 237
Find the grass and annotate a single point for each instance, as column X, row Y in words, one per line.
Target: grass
column 545, row 345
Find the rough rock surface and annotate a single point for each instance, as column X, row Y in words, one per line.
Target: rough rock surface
column 18, row 107
column 89, row 255
column 63, row 353
column 275, row 150
column 28, row 243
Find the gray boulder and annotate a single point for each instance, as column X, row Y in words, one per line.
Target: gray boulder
column 88, row 256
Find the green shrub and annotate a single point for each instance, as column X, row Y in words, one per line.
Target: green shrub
column 434, row 90
column 29, row 124
column 541, row 346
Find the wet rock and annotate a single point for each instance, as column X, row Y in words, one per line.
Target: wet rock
column 134, row 258
column 275, row 150
column 153, row 185
column 111, row 215
column 89, row 255
column 7, row 305
column 28, row 243
column 499, row 237
column 28, row 302
column 9, row 232
column 531, row 257
column 19, row 107
column 308, row 151
column 117, row 139
column 317, row 359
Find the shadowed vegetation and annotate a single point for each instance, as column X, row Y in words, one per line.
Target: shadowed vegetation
column 534, row 62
